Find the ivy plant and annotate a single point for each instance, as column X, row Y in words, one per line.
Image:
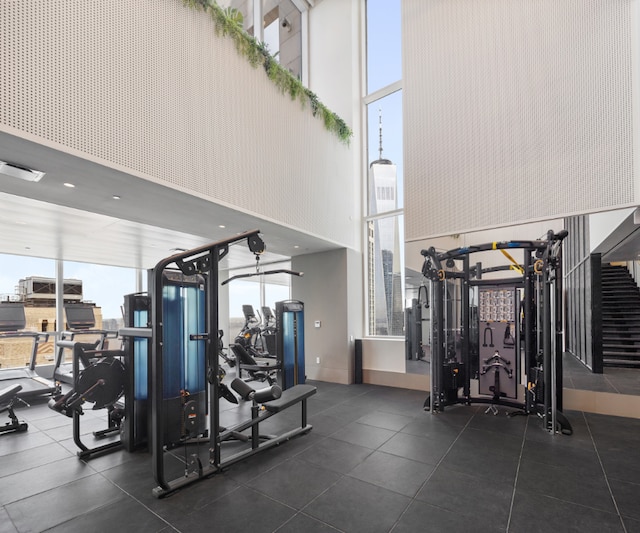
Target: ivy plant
column 229, row 23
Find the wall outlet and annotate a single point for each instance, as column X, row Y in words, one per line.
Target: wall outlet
column 317, row 360
column 317, row 323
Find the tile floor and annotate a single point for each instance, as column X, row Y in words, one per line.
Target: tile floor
column 374, row 461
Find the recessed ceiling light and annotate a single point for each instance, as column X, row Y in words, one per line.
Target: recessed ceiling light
column 296, row 246
column 70, row 185
column 116, row 197
column 222, row 226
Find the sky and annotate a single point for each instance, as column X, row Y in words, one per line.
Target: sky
column 106, row 286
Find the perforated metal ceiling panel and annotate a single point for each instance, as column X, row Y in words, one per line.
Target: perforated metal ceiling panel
column 516, row 110
column 147, row 87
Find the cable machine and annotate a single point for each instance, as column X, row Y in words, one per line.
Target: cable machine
column 503, row 330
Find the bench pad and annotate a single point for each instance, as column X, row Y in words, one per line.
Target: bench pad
column 289, row 397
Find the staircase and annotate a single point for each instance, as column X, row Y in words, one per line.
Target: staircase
column 620, row 318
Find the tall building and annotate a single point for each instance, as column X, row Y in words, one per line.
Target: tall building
column 385, row 309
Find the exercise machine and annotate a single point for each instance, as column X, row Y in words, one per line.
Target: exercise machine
column 290, row 342
column 8, row 398
column 99, row 379
column 263, row 370
column 81, row 321
column 186, row 436
column 32, row 385
column 498, row 331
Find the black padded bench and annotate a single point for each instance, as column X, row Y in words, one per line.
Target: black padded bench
column 290, row 397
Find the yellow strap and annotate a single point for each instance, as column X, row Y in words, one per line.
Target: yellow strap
column 495, row 245
column 515, row 266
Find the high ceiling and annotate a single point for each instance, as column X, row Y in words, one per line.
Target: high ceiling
column 145, row 223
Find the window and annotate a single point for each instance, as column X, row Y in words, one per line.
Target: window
column 384, row 46
column 386, row 276
column 384, row 221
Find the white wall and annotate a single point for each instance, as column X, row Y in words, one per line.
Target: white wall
column 328, row 298
column 148, row 88
column 517, row 111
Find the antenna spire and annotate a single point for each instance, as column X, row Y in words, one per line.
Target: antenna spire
column 380, row 129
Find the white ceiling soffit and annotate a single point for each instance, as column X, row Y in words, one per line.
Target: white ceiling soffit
column 623, row 243
column 87, row 224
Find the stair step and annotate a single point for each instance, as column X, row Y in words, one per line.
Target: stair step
column 620, row 363
column 616, row 346
column 624, row 356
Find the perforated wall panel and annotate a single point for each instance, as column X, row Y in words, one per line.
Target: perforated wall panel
column 148, row 86
column 516, row 110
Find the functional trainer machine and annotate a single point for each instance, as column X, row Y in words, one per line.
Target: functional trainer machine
column 183, row 374
column 497, row 331
column 169, row 377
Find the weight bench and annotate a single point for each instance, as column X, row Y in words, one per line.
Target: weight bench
column 258, row 371
column 8, row 398
column 266, row 403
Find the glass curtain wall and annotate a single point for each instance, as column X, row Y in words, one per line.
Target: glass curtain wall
column 384, row 221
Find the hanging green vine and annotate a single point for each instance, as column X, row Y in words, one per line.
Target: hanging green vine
column 229, row 23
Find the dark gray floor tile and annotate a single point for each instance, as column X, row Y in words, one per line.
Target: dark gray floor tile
column 122, row 515
column 54, row 420
column 118, row 457
column 41, row 478
column 627, row 497
column 241, row 511
column 621, row 464
column 294, row 482
column 382, row 419
column 33, row 457
column 393, row 473
column 6, row 524
column 248, row 469
column 581, row 437
column 631, row 525
column 501, row 423
column 11, row 443
column 484, row 462
column 364, row 435
column 423, row 449
column 468, row 495
column 347, row 412
column 63, row 503
column 565, row 484
column 421, row 516
column 473, row 439
column 538, row 513
column 303, row 523
column 352, row 505
column 335, row 455
column 433, row 426
column 327, row 424
column 183, row 502
column 555, row 452
column 604, row 427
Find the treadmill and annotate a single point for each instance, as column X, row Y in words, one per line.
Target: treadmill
column 12, row 320
column 80, row 321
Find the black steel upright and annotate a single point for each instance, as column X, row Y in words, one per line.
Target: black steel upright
column 198, row 261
